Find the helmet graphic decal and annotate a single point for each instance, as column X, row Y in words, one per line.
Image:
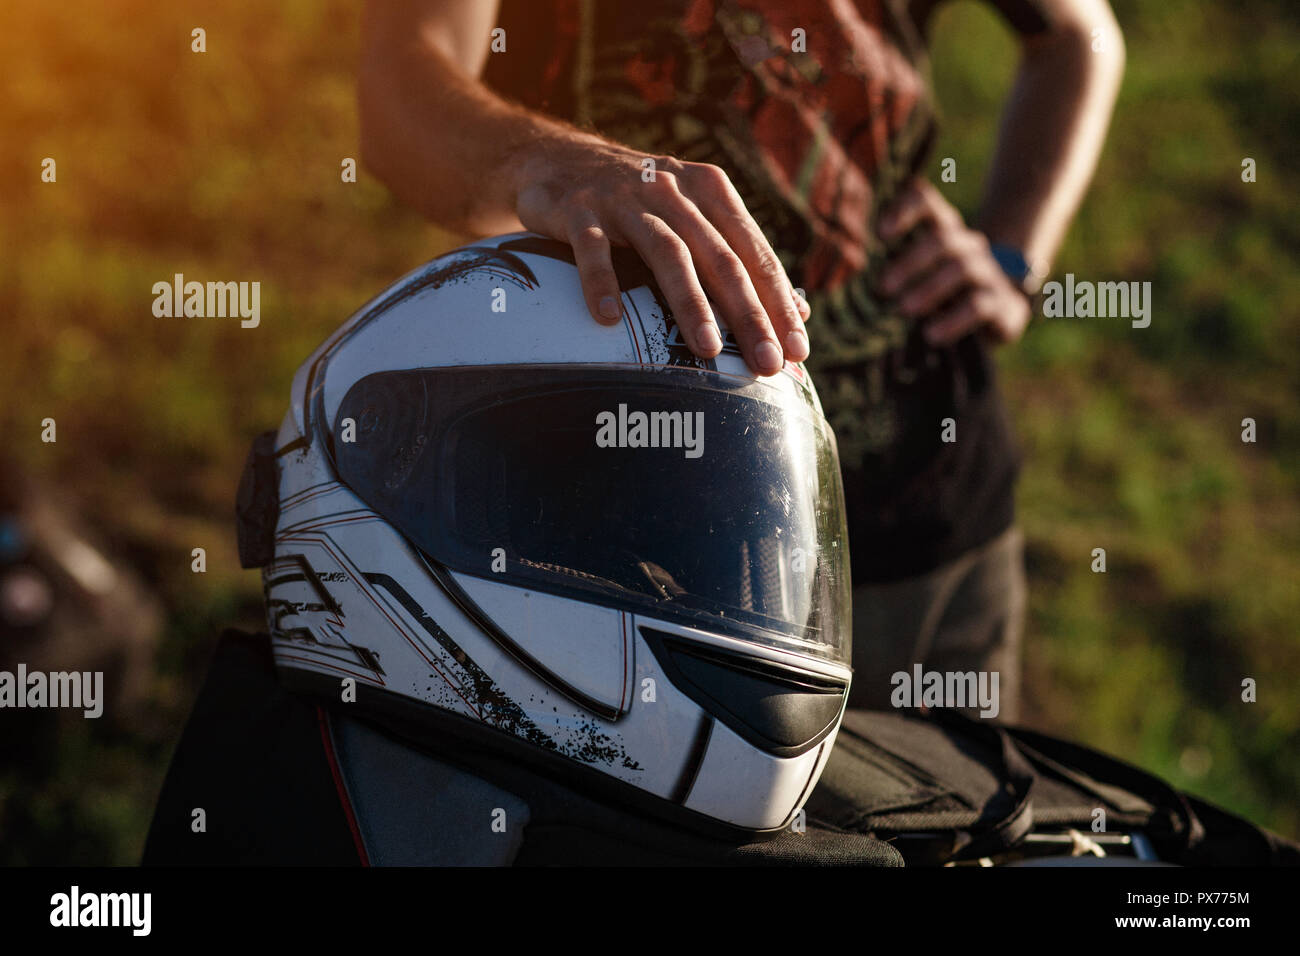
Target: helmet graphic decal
column 452, row 677
column 587, row 744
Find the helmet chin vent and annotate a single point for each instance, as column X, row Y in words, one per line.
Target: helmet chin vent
column 783, row 710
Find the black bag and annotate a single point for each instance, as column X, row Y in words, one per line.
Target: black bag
column 946, row 788
column 287, row 780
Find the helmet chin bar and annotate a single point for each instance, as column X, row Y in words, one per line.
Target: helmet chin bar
column 780, row 707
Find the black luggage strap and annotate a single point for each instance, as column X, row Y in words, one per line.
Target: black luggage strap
column 1008, row 830
column 1182, row 830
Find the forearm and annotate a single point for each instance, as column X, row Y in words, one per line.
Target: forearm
column 439, row 139
column 1052, row 133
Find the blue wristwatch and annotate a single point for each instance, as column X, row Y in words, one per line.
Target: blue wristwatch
column 1017, row 268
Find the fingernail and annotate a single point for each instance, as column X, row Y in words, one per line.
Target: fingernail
column 609, row 308
column 709, row 340
column 796, row 345
column 768, row 357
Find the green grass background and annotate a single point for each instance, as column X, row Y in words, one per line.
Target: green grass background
column 226, row 165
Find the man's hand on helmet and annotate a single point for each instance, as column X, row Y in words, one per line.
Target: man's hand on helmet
column 688, row 224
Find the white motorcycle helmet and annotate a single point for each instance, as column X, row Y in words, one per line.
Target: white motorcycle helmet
column 579, row 545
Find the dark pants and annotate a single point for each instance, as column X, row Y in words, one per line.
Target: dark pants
column 965, row 616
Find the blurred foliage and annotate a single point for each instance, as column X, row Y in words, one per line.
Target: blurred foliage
column 1132, row 437
column 225, row 165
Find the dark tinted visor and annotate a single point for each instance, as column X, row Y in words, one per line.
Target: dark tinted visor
column 686, row 494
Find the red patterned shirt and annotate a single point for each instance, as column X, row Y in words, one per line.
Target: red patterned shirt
column 819, row 110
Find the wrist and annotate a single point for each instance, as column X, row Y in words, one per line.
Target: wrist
column 532, row 161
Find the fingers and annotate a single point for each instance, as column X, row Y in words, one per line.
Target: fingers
column 1000, row 311
column 670, row 260
column 905, row 213
column 925, row 296
column 920, row 256
column 918, row 202
column 723, row 211
column 731, row 287
column 958, row 320
column 596, row 271
column 946, row 274
column 689, row 225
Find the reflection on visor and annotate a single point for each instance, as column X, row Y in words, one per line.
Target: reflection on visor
column 684, row 494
